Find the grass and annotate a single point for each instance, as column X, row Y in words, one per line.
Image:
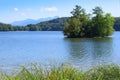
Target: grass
column 63, row 72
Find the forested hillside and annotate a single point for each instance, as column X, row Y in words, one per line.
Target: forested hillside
column 9, row 27
column 58, row 24
column 52, row 25
column 117, row 24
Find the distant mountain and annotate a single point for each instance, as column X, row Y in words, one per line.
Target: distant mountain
column 31, row 21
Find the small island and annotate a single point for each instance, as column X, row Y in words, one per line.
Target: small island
column 81, row 24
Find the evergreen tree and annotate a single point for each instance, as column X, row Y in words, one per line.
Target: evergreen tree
column 76, row 25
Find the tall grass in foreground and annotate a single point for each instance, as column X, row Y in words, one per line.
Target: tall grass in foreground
column 106, row 72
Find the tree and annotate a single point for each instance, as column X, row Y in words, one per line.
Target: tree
column 76, row 24
column 102, row 24
column 78, row 12
column 72, row 28
column 98, row 11
column 109, row 22
column 81, row 24
column 97, row 22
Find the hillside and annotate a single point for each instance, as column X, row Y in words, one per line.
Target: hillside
column 52, row 25
column 58, row 24
column 5, row 27
column 117, row 24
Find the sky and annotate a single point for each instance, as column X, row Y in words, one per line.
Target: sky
column 16, row 10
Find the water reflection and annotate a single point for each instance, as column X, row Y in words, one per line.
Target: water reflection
column 89, row 52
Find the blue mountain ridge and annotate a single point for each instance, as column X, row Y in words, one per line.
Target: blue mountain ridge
column 32, row 21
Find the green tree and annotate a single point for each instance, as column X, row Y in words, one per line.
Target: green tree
column 98, row 11
column 72, row 28
column 78, row 12
column 76, row 25
column 81, row 24
column 109, row 22
column 102, row 24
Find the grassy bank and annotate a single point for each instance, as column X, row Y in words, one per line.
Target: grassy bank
column 106, row 72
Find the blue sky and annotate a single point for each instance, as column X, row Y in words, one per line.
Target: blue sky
column 15, row 10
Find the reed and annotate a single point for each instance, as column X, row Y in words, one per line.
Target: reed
column 105, row 72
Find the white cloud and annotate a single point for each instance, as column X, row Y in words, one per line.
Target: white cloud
column 49, row 9
column 16, row 9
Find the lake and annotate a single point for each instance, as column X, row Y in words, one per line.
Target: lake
column 51, row 47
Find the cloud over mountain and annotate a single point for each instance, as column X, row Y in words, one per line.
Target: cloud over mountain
column 49, row 9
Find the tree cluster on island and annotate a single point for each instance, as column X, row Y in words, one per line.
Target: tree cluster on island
column 81, row 24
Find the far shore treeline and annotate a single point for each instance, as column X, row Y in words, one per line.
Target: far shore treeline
column 55, row 24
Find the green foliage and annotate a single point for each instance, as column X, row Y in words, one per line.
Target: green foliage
column 117, row 24
column 31, row 27
column 102, row 24
column 78, row 12
column 109, row 23
column 98, row 11
column 6, row 27
column 75, row 27
column 53, row 25
column 106, row 72
column 57, row 25
column 72, row 29
column 82, row 24
column 65, row 72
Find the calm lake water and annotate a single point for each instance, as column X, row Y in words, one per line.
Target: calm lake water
column 45, row 47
